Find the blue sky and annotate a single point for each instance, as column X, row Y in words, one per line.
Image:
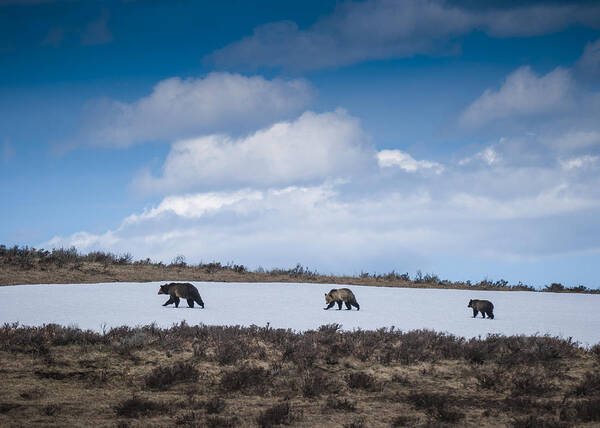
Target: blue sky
column 441, row 136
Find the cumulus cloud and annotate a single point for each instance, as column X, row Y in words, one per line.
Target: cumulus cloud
column 579, row 162
column 574, row 140
column 179, row 108
column 404, row 161
column 488, row 155
column 314, row 147
column 330, row 227
column 589, row 63
column 378, row 29
column 523, row 93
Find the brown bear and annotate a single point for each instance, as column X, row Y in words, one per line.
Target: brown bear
column 483, row 306
column 181, row 290
column 340, row 295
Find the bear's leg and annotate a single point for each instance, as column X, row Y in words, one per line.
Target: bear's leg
column 491, row 315
column 176, row 302
column 348, row 307
column 355, row 303
column 482, row 314
column 190, row 303
column 200, row 302
column 168, row 302
column 330, row 305
column 474, row 312
column 339, row 305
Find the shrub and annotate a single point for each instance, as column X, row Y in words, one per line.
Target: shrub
column 339, row 404
column 220, row 422
column 533, row 421
column 136, row 407
column 279, row 414
column 358, row 422
column 164, row 377
column 215, row 405
column 244, row 378
column 51, row 409
column 530, row 382
column 437, row 406
column 188, row 418
column 361, row 380
column 313, row 384
column 588, row 410
column 590, row 385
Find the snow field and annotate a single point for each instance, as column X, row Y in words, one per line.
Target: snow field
column 300, row 307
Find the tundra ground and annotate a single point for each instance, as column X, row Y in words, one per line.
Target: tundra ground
column 233, row 376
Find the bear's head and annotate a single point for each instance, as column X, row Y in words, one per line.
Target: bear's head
column 470, row 305
column 164, row 289
column 328, row 298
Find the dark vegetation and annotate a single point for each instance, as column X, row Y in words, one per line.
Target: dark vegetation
column 146, row 376
column 21, row 265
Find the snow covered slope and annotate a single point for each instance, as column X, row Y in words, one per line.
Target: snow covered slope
column 300, row 307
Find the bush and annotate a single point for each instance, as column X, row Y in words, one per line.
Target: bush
column 339, row 404
column 164, row 377
column 533, row 421
column 437, row 406
column 279, row 414
column 313, row 384
column 590, row 385
column 220, row 422
column 361, row 380
column 215, row 405
column 531, row 382
column 136, row 407
column 244, row 378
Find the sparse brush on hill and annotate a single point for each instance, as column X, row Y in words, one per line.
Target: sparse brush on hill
column 319, row 377
column 21, row 265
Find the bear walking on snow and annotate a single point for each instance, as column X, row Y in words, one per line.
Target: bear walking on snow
column 483, row 306
column 181, row 290
column 341, row 295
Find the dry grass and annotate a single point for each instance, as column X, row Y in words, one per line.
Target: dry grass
column 55, row 376
column 24, row 265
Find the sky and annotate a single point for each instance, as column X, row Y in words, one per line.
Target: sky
column 458, row 138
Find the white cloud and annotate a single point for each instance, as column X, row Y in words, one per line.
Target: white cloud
column 179, row 108
column 487, row 155
column 314, row 147
column 506, row 214
column 523, row 93
column 376, row 29
column 404, row 161
column 589, row 63
column 196, row 205
column 574, row 140
column 579, row 162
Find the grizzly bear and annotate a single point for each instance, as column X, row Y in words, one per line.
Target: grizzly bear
column 483, row 306
column 181, row 290
column 340, row 295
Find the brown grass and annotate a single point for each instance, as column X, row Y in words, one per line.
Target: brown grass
column 24, row 265
column 55, row 376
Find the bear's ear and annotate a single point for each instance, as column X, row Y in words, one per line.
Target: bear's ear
column 325, row 294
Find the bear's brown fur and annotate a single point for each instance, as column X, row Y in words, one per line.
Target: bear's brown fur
column 483, row 306
column 340, row 295
column 181, row 290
